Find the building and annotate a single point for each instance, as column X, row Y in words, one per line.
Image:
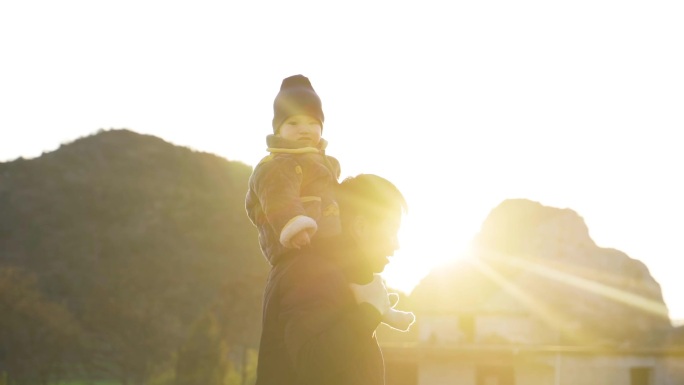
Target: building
column 468, row 349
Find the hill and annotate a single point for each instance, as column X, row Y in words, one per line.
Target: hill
column 136, row 238
column 539, row 261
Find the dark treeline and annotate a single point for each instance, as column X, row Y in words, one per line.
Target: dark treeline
column 125, row 258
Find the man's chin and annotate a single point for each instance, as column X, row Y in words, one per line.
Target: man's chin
column 380, row 266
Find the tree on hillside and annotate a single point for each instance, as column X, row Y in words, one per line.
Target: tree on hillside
column 39, row 339
column 203, row 359
column 240, row 313
column 225, row 336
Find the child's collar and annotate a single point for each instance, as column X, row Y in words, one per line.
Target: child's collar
column 276, row 144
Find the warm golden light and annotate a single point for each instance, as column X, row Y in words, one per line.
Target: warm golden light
column 428, row 240
column 458, row 130
column 614, row 294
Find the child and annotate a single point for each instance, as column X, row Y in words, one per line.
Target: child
column 291, row 191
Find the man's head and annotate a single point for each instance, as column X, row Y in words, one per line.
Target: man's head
column 371, row 208
column 296, row 97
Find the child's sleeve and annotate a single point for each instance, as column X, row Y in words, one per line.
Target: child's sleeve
column 334, row 166
column 277, row 185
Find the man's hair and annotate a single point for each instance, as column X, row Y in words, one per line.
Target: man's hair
column 368, row 195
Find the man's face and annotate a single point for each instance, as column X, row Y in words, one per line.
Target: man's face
column 378, row 240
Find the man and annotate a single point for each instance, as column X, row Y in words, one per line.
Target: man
column 318, row 328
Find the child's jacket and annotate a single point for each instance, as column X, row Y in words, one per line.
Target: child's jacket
column 291, row 190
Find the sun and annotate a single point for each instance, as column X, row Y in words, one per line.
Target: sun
column 438, row 227
column 426, row 243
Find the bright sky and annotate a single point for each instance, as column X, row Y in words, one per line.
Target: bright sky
column 572, row 104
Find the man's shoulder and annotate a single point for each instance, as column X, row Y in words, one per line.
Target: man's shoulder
column 310, row 270
column 313, row 264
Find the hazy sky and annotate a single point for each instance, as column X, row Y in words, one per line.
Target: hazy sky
column 572, row 104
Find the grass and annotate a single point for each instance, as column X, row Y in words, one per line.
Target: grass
column 89, row 383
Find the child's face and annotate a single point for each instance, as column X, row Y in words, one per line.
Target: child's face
column 301, row 128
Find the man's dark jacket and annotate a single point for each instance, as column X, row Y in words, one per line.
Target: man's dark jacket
column 314, row 332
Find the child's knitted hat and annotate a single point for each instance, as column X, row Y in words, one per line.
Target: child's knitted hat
column 296, row 97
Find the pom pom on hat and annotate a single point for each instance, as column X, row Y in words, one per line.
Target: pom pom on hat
column 296, row 97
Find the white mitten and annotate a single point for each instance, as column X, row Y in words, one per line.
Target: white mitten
column 397, row 319
column 374, row 293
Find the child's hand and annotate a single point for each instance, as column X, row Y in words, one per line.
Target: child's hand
column 397, row 319
column 301, row 239
column 374, row 293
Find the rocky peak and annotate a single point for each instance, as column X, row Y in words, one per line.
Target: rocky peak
column 541, row 261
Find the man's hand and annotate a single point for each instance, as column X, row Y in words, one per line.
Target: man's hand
column 301, row 239
column 374, row 293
